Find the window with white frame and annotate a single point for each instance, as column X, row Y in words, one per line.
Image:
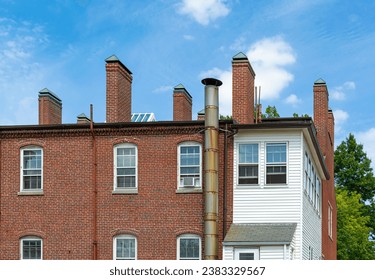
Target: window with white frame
column 31, row 168
column 31, row 248
column 125, row 167
column 246, row 254
column 248, row 164
column 330, row 221
column 312, row 183
column 190, row 165
column 125, row 247
column 189, row 247
column 276, row 163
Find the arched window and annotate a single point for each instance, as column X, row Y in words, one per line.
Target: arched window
column 189, row 247
column 31, row 169
column 125, row 247
column 31, row 248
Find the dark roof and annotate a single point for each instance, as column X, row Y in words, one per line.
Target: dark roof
column 260, row 234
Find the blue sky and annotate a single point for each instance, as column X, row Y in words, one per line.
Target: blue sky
column 62, row 45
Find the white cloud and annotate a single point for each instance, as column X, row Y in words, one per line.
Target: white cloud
column 225, row 91
column 293, row 100
column 203, row 12
column 268, row 57
column 21, row 76
column 367, row 139
column 339, row 93
column 188, row 37
column 163, row 89
column 340, row 118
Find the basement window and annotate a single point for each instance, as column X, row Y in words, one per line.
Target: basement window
column 276, row 164
column 31, row 169
column 125, row 247
column 31, row 248
column 189, row 247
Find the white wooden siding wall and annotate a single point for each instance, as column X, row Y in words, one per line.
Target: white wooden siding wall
column 271, row 203
column 265, row 252
column 311, row 222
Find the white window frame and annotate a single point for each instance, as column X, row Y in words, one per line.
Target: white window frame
column 125, row 236
column 197, row 183
column 239, row 163
column 238, row 251
column 330, row 220
column 276, row 164
column 115, row 175
column 189, row 236
column 31, row 238
column 23, row 169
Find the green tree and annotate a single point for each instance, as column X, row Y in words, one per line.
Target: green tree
column 352, row 229
column 353, row 170
column 271, row 112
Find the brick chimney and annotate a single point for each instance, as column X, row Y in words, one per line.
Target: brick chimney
column 243, row 77
column 324, row 123
column 182, row 104
column 119, row 91
column 50, row 107
column 321, row 113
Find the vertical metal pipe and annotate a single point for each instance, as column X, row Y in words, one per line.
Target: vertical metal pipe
column 95, row 191
column 211, row 168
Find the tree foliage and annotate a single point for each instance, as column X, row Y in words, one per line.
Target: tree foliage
column 271, row 112
column 353, row 170
column 352, row 228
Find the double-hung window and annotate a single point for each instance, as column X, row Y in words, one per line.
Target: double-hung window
column 190, row 162
column 276, row 163
column 125, row 247
column 125, row 167
column 31, row 248
column 189, row 247
column 248, row 164
column 31, row 168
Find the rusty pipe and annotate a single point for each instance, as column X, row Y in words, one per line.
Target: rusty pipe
column 211, row 168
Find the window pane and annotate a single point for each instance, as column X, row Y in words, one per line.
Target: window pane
column 276, row 153
column 246, row 256
column 276, row 174
column 248, row 174
column 126, row 182
column 31, row 249
column 189, row 170
column 248, row 153
column 125, row 171
column 125, row 248
column 189, row 248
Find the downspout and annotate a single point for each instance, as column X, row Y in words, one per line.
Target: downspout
column 211, row 167
column 95, row 191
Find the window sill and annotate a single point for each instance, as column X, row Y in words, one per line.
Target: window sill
column 30, row 193
column 189, row 190
column 125, row 191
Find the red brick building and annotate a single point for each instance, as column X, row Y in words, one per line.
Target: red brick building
column 121, row 189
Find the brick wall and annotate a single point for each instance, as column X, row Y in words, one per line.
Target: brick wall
column 324, row 122
column 63, row 215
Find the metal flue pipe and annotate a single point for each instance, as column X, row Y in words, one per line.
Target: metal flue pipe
column 211, row 168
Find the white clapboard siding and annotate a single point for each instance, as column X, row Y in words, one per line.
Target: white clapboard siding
column 271, row 252
column 271, row 204
column 311, row 224
column 228, row 253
